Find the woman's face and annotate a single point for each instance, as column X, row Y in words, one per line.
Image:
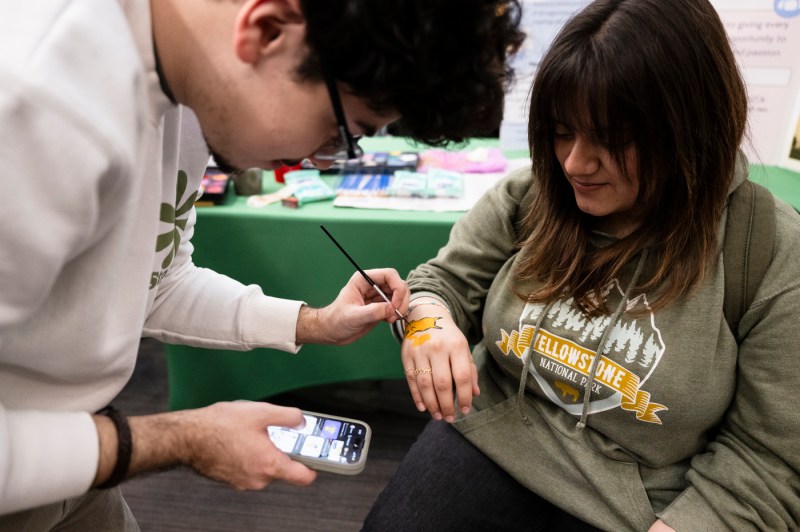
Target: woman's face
column 601, row 189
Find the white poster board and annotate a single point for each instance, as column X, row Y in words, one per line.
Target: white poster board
column 765, row 35
column 541, row 21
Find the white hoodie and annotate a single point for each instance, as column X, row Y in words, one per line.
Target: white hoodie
column 92, row 203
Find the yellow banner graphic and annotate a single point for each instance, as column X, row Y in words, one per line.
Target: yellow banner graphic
column 579, row 359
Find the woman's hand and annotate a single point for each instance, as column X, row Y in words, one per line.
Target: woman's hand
column 435, row 355
column 660, row 526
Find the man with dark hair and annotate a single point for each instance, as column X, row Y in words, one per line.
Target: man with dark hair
column 110, row 109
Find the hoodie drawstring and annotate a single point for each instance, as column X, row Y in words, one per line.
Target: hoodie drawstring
column 527, row 361
column 587, row 391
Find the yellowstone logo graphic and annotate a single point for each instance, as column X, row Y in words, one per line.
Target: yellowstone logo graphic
column 176, row 217
column 563, row 352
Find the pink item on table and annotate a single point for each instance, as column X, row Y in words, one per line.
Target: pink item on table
column 478, row 160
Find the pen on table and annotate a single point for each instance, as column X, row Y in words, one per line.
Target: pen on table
column 362, row 272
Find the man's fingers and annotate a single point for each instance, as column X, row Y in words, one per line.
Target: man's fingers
column 298, row 474
column 281, row 416
column 391, row 284
column 386, row 277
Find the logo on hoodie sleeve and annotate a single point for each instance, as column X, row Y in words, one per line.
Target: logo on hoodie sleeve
column 175, row 217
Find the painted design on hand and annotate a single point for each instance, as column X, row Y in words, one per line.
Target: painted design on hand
column 422, row 324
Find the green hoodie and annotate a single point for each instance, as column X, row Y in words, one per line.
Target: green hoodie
column 679, row 422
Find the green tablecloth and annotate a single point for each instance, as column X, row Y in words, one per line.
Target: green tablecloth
column 784, row 183
column 284, row 251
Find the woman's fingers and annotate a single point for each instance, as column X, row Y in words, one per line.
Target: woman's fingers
column 424, row 380
column 476, row 390
column 442, row 384
column 411, row 379
column 465, row 379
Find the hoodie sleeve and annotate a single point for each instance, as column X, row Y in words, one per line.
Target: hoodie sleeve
column 199, row 307
column 45, row 457
column 480, row 243
column 749, row 476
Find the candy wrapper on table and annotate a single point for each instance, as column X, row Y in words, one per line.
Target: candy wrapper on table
column 436, row 183
column 306, row 186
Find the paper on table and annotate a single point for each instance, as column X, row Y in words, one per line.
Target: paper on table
column 475, row 185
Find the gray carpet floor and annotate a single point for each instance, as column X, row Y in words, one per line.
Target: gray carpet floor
column 179, row 500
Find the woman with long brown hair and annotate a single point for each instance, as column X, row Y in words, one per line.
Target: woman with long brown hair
column 606, row 387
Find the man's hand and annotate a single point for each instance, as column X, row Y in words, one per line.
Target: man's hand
column 227, row 442
column 355, row 311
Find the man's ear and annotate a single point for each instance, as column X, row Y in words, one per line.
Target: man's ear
column 262, row 26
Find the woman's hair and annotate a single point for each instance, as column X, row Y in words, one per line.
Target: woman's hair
column 442, row 64
column 658, row 76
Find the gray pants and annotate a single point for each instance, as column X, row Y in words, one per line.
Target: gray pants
column 96, row 510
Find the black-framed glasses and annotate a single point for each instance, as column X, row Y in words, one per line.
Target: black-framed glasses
column 347, row 146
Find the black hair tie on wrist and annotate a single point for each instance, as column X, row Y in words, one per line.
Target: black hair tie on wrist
column 124, row 447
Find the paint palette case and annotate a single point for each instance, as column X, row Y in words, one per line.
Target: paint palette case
column 214, row 187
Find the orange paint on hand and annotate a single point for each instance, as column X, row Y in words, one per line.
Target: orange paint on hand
column 421, row 339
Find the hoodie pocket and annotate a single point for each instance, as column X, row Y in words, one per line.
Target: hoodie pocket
column 568, row 472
